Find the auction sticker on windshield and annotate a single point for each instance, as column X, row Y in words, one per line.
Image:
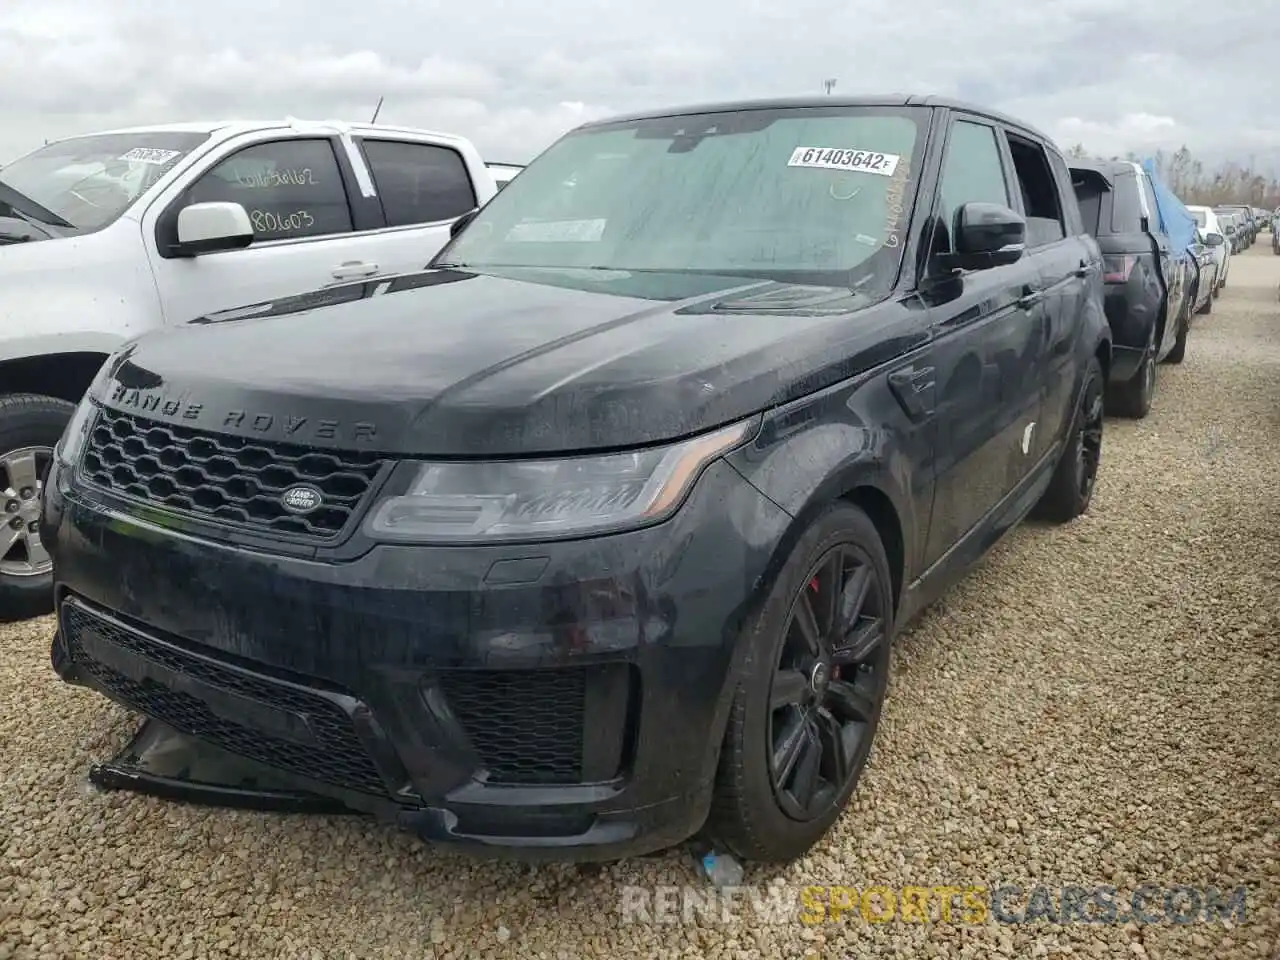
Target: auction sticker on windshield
column 557, row 231
column 151, row 155
column 835, row 158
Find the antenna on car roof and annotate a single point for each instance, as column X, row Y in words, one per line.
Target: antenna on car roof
column 377, row 110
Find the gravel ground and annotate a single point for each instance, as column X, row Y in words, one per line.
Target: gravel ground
column 1098, row 704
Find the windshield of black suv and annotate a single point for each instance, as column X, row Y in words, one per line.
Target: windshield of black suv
column 806, row 195
column 89, row 182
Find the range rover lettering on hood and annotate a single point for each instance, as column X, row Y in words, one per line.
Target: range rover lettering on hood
column 272, row 426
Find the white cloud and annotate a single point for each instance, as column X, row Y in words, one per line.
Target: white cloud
column 1140, row 75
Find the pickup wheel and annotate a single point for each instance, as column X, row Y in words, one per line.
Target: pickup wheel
column 1208, row 305
column 814, row 679
column 30, row 427
column 1071, row 488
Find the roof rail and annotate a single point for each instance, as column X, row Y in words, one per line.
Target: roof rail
column 341, row 126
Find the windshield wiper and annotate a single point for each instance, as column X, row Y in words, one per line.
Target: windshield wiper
column 29, row 210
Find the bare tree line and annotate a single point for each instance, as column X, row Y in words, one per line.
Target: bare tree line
column 1193, row 182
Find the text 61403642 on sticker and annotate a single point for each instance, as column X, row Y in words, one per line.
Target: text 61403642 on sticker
column 837, row 158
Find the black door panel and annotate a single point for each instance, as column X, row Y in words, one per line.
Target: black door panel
column 987, row 393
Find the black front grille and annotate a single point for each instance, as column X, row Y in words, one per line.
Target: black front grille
column 236, row 480
column 526, row 725
column 337, row 758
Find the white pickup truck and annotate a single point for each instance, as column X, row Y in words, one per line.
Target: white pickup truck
column 107, row 236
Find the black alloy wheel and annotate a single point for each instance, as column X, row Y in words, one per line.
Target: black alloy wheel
column 1089, row 446
column 814, row 676
column 1070, row 489
column 829, row 683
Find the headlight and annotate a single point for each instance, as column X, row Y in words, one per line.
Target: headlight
column 469, row 502
column 72, row 441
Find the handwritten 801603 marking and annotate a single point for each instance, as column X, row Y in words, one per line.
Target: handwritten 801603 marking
column 302, row 177
column 895, row 204
column 266, row 222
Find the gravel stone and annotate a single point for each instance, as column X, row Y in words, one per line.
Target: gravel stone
column 1097, row 703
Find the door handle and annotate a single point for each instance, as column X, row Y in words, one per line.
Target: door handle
column 915, row 389
column 354, row 269
column 1030, row 296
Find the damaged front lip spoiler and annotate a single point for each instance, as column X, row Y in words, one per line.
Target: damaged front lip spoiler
column 163, row 762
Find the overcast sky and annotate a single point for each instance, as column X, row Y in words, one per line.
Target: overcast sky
column 1137, row 74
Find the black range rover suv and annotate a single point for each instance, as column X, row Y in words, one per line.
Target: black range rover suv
column 597, row 531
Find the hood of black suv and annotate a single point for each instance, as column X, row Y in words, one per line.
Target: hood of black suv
column 453, row 363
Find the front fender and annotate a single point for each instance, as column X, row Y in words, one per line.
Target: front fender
column 76, row 294
column 854, row 437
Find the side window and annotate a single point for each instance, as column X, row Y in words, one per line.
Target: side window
column 291, row 188
column 1126, row 214
column 1040, row 201
column 972, row 172
column 1089, row 196
column 419, row 182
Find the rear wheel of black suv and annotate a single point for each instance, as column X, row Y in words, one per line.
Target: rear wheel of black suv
column 1071, row 489
column 1179, row 351
column 804, row 716
column 1132, row 398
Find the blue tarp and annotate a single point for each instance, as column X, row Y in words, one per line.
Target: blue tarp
column 1173, row 218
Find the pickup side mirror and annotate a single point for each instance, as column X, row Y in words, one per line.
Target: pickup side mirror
column 1214, row 239
column 460, row 224
column 212, row 228
column 986, row 235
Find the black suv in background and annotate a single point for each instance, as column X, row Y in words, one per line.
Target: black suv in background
column 598, row 531
column 1147, row 284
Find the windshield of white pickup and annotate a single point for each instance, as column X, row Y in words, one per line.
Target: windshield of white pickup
column 807, row 194
column 90, row 181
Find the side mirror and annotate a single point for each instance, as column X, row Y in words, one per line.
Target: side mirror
column 212, row 228
column 986, row 235
column 1214, row 239
column 460, row 224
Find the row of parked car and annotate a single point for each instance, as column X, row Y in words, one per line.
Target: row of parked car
column 1165, row 263
column 594, row 532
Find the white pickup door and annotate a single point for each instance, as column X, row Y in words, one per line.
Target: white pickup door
column 326, row 207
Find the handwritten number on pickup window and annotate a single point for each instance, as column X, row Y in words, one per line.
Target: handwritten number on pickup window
column 276, row 178
column 264, row 221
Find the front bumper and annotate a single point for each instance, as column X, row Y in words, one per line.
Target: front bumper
column 558, row 700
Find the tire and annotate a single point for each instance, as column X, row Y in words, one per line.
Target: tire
column 1207, row 307
column 1071, row 489
column 1179, row 351
column 30, row 427
column 1132, row 398
column 750, row 815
